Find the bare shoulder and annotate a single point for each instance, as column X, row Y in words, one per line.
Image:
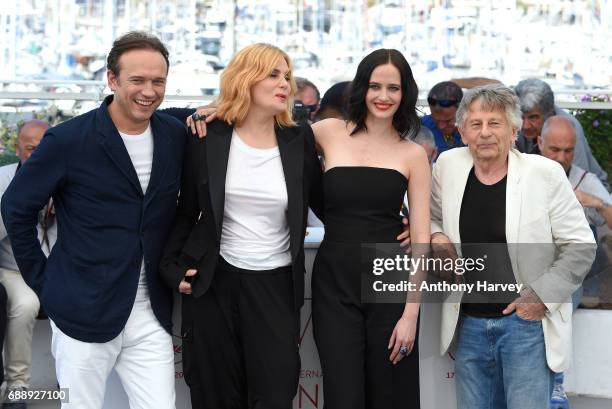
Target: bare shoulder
column 412, row 151
column 411, row 158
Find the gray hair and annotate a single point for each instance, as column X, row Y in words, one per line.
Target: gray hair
column 536, row 94
column 493, row 97
column 551, row 121
column 424, row 137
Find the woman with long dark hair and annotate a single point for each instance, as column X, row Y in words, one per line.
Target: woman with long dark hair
column 368, row 351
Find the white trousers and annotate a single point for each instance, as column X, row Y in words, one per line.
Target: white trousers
column 22, row 310
column 142, row 355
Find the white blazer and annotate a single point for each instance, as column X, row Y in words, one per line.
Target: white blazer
column 540, row 208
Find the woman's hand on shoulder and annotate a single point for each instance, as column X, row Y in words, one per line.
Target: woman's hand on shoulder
column 198, row 120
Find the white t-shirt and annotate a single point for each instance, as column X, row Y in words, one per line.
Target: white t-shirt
column 255, row 232
column 140, row 149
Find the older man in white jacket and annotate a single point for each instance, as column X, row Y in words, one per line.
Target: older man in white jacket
column 489, row 192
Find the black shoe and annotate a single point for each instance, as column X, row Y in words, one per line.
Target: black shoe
column 14, row 403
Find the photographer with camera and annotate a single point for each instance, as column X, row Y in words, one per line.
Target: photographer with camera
column 306, row 101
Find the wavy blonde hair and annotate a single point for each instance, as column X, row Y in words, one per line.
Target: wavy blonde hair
column 249, row 66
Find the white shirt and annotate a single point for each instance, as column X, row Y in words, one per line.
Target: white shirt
column 255, row 233
column 592, row 185
column 7, row 260
column 140, row 149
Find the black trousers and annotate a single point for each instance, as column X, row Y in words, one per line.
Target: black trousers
column 240, row 345
column 352, row 338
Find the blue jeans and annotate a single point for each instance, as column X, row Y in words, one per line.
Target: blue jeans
column 501, row 364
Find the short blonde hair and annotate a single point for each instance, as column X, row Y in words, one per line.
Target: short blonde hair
column 249, row 66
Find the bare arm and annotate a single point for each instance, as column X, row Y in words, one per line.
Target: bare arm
column 320, row 130
column 607, row 215
column 604, row 208
column 419, row 196
column 419, row 191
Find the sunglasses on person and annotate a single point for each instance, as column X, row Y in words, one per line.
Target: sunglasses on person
column 444, row 103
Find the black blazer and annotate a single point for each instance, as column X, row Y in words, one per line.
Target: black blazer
column 196, row 235
column 106, row 223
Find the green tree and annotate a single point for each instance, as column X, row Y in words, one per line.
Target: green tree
column 597, row 125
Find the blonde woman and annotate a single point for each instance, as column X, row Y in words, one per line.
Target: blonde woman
column 236, row 250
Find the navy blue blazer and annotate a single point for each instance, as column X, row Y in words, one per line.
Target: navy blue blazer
column 106, row 224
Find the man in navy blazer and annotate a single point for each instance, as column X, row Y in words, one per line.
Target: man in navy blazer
column 113, row 174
